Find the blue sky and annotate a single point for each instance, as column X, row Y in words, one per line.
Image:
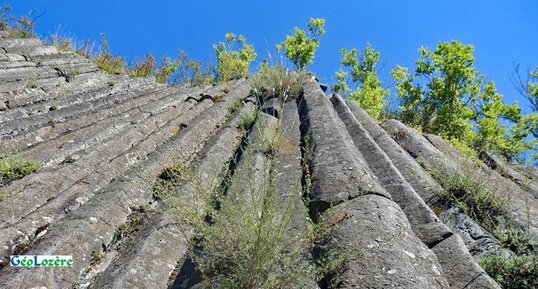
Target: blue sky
column 503, row 32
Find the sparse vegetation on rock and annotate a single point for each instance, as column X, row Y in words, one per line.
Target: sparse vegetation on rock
column 275, row 81
column 233, row 180
column 108, row 62
column 14, row 166
column 18, row 27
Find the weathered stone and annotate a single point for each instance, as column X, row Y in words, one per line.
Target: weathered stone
column 379, row 248
column 97, row 177
column 104, row 138
column 414, row 174
column 527, row 183
column 272, row 106
column 523, row 205
column 479, row 242
column 110, row 206
column 287, row 177
column 339, row 172
column 460, row 269
column 152, row 255
column 20, row 45
column 423, row 221
column 148, row 261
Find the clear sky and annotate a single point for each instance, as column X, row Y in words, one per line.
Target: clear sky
column 503, row 32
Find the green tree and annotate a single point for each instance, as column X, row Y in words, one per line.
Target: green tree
column 498, row 125
column 233, row 57
column 446, row 82
column 367, row 91
column 301, row 46
column 447, row 96
column 528, row 87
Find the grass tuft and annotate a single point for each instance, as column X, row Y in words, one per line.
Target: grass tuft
column 491, row 210
column 14, row 166
column 248, row 120
column 469, row 194
column 515, row 272
column 275, row 81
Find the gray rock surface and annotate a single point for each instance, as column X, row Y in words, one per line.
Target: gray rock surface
column 339, row 172
column 455, row 258
column 368, row 206
column 423, row 221
column 383, row 252
column 523, row 205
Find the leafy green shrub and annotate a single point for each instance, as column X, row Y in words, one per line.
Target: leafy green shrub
column 14, row 166
column 143, row 68
column 166, row 69
column 515, row 272
column 515, row 239
column 173, row 70
column 368, row 92
column 233, row 57
column 108, row 62
column 464, row 148
column 240, row 227
column 275, row 81
column 184, row 69
column 300, row 47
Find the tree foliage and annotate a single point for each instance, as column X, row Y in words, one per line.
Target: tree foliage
column 529, row 89
column 233, row 57
column 527, row 85
column 446, row 95
column 367, row 91
column 301, row 46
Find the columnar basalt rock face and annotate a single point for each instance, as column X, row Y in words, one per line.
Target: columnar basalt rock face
column 478, row 240
column 104, row 139
column 367, row 221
